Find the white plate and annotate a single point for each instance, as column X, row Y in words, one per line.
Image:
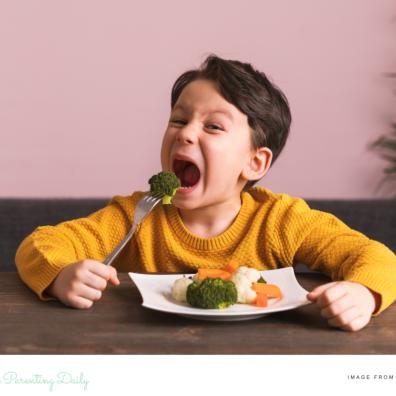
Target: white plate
column 156, row 293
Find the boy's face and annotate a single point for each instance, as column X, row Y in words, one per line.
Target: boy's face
column 208, row 145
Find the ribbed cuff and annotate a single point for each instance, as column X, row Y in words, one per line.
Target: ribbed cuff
column 36, row 270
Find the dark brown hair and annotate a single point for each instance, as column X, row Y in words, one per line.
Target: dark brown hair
column 252, row 93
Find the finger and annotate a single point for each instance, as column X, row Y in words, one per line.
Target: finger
column 101, row 270
column 333, row 293
column 79, row 302
column 337, row 307
column 357, row 324
column 344, row 318
column 313, row 294
column 96, row 282
column 113, row 276
column 89, row 293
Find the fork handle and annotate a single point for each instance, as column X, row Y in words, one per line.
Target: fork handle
column 110, row 258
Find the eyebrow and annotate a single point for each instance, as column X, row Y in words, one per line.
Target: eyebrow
column 221, row 111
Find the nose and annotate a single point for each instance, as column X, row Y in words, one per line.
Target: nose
column 187, row 135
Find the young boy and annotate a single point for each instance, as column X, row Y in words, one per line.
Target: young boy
column 228, row 124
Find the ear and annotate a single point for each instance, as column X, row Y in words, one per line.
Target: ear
column 258, row 165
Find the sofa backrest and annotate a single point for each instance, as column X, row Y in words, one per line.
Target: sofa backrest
column 19, row 217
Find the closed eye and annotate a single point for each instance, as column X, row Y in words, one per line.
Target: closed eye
column 178, row 122
column 216, row 127
column 210, row 126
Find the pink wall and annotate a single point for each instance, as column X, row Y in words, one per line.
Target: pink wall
column 85, row 88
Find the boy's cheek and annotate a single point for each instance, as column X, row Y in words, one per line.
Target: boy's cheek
column 166, row 148
column 164, row 155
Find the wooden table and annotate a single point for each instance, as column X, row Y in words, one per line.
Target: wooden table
column 118, row 324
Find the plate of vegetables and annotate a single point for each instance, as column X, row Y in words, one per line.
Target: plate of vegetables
column 229, row 294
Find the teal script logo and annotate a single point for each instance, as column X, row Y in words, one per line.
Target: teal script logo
column 61, row 378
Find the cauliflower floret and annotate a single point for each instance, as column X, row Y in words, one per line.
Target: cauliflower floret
column 251, row 273
column 246, row 295
column 179, row 289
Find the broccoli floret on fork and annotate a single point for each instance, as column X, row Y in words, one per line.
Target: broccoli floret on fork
column 166, row 184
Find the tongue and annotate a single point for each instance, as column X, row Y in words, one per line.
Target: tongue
column 190, row 176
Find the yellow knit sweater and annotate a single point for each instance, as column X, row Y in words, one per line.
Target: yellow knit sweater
column 271, row 231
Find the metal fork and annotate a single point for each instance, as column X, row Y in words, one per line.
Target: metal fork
column 143, row 208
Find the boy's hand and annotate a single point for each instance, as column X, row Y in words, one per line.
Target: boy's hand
column 345, row 304
column 80, row 284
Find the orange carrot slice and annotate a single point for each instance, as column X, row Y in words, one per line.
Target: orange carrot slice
column 204, row 273
column 272, row 291
column 261, row 300
column 231, row 267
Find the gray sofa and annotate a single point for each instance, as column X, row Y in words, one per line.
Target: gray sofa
column 19, row 217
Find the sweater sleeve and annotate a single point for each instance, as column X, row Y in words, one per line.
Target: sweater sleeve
column 326, row 244
column 48, row 249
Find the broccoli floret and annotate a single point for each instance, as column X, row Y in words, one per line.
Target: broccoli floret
column 212, row 293
column 166, row 184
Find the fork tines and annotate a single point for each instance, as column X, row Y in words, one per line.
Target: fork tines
column 155, row 196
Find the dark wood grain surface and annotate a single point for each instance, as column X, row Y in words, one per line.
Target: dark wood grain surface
column 118, row 324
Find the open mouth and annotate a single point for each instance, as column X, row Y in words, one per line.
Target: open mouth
column 187, row 172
